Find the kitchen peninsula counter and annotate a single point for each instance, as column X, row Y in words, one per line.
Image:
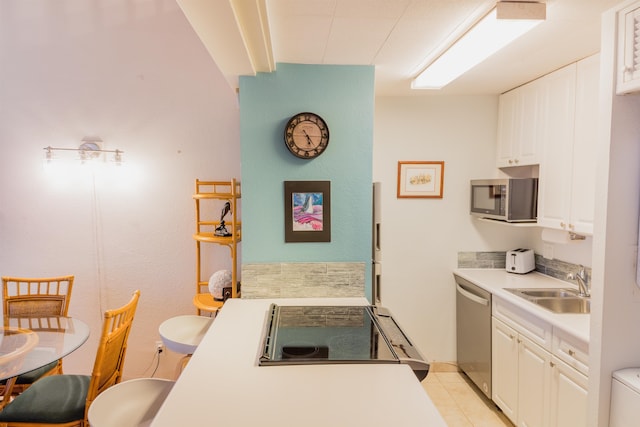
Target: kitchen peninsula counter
column 497, row 280
column 223, row 385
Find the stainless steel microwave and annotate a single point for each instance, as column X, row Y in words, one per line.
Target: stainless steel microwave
column 510, row 199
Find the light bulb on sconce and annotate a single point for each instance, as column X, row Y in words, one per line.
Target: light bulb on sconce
column 90, row 148
column 118, row 157
column 48, row 155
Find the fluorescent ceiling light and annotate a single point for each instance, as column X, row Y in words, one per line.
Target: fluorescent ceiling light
column 502, row 25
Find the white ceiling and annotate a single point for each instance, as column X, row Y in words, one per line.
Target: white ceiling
column 249, row 36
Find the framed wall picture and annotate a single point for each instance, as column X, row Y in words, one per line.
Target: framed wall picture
column 307, row 211
column 420, row 179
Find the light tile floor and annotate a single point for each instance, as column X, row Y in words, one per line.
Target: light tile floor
column 460, row 403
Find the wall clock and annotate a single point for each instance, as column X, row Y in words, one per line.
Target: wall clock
column 306, row 135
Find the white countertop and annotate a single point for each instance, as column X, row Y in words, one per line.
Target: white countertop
column 497, row 280
column 223, row 385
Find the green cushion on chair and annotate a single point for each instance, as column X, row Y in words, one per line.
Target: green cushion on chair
column 54, row 399
column 31, row 376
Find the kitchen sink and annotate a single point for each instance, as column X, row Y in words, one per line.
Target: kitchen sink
column 565, row 305
column 558, row 300
column 544, row 293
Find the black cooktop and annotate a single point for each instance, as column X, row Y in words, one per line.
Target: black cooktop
column 336, row 334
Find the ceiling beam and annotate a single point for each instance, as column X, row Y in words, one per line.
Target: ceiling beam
column 254, row 25
column 235, row 33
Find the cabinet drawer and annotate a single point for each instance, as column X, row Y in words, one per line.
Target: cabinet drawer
column 571, row 350
column 537, row 330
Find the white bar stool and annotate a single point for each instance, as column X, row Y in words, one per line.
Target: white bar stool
column 130, row 403
column 182, row 334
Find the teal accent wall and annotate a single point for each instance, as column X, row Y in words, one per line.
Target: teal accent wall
column 344, row 97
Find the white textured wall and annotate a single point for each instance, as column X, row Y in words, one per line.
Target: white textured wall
column 422, row 237
column 135, row 74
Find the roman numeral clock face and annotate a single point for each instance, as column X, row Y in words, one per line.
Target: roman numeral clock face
column 306, row 135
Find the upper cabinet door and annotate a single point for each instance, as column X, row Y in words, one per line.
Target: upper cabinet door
column 585, row 145
column 518, row 139
column 507, row 106
column 554, row 196
column 628, row 73
column 567, row 179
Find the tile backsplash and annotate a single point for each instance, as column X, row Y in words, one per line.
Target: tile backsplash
column 482, row 259
column 345, row 279
column 551, row 267
column 303, row 280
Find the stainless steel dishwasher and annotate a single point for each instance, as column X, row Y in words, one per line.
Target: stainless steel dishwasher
column 473, row 330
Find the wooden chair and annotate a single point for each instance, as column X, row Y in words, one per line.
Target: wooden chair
column 64, row 400
column 33, row 297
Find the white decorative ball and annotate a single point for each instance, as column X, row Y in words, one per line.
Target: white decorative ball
column 219, row 280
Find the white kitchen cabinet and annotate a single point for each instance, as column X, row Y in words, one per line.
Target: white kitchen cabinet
column 567, row 169
column 534, row 383
column 504, row 375
column 539, row 371
column 568, row 395
column 518, row 141
column 571, row 350
column 521, row 376
column 583, row 178
column 628, row 66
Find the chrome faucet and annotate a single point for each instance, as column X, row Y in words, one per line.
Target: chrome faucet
column 582, row 277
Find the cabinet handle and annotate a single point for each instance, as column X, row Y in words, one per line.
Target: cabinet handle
column 563, row 225
column 510, row 161
column 572, row 353
column 552, row 364
column 516, row 161
column 571, row 226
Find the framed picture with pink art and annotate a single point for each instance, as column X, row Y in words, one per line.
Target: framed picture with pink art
column 420, row 179
column 307, row 211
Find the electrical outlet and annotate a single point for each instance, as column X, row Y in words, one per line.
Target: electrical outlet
column 159, row 346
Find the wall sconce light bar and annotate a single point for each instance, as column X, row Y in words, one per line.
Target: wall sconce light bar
column 507, row 21
column 89, row 149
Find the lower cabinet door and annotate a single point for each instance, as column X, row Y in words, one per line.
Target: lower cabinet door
column 568, row 395
column 534, row 376
column 504, row 367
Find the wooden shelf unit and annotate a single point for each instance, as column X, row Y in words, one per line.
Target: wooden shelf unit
column 218, row 192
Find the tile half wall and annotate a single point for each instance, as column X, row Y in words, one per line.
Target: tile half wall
column 303, row 280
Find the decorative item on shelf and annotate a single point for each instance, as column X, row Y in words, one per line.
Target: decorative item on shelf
column 221, row 230
column 89, row 149
column 220, row 285
column 218, row 281
column 420, row 179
